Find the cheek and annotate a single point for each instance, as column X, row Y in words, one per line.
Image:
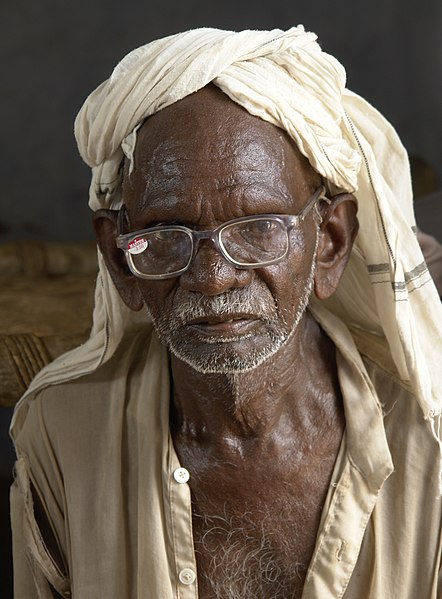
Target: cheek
column 158, row 295
column 286, row 284
column 288, row 280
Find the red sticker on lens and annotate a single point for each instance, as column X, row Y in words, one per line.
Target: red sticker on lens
column 137, row 245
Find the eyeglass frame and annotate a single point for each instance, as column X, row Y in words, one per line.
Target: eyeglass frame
column 288, row 220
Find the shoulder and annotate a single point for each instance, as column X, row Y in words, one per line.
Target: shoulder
column 84, row 413
column 75, row 409
column 387, row 383
column 413, row 445
column 396, row 398
column 58, row 416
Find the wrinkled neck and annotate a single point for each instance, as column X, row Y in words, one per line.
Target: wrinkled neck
column 285, row 394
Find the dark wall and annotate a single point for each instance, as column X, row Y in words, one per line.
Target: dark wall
column 54, row 53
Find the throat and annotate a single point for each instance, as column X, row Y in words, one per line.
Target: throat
column 228, row 406
column 298, row 387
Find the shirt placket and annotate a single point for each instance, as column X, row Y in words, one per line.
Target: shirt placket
column 181, row 522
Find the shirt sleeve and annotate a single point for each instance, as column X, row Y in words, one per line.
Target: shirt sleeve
column 35, row 570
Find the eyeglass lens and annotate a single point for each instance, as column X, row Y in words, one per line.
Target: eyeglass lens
column 165, row 252
column 254, row 241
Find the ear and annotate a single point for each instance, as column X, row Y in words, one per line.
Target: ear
column 336, row 236
column 105, row 225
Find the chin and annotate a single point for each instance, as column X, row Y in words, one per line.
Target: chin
column 232, row 356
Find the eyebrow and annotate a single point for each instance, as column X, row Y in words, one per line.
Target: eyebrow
column 277, row 193
column 240, row 189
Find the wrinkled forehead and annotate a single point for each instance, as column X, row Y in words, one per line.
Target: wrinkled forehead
column 205, row 139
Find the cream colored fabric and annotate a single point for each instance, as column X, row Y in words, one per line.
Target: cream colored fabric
column 99, row 454
column 284, row 78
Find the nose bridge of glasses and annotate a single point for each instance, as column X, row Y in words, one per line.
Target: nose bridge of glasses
column 210, row 234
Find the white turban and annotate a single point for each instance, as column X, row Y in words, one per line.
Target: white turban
column 386, row 294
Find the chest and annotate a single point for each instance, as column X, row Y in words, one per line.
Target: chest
column 255, row 524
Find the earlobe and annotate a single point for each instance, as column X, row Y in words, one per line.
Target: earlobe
column 337, row 233
column 105, row 225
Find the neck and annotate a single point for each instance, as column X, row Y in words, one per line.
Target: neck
column 283, row 396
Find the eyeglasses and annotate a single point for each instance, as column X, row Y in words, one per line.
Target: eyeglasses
column 166, row 251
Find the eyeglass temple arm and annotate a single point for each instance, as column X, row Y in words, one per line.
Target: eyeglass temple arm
column 122, row 219
column 317, row 196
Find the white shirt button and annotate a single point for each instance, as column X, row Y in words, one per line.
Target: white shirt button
column 187, row 576
column 181, row 475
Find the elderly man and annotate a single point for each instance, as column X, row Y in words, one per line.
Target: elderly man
column 247, row 419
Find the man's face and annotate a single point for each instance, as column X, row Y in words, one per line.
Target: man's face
column 200, row 163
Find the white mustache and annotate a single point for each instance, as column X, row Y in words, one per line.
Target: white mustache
column 190, row 306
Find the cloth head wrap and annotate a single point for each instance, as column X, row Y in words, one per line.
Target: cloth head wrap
column 284, row 78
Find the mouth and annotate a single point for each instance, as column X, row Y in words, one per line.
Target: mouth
column 221, row 325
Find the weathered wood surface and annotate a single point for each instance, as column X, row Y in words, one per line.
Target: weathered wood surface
column 46, row 302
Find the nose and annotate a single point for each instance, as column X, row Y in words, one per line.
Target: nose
column 210, row 274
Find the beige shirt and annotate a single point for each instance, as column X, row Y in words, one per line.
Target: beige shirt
column 99, row 453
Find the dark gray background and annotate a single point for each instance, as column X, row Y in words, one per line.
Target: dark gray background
column 54, row 53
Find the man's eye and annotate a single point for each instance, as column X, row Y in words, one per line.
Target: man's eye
column 168, row 236
column 162, row 235
column 260, row 226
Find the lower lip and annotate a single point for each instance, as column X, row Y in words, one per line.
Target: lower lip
column 224, row 329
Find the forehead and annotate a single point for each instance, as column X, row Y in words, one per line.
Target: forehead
column 206, row 150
